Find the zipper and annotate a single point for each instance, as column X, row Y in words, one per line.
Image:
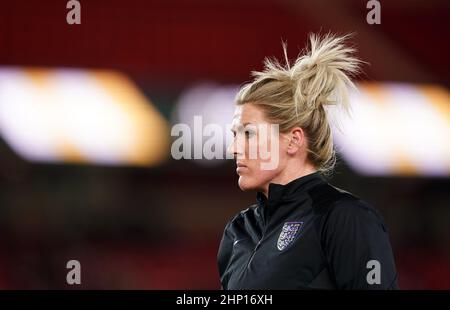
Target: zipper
column 258, row 244
column 254, row 252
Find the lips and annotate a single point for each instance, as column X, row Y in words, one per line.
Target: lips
column 241, row 168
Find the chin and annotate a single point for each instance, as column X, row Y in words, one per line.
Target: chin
column 246, row 184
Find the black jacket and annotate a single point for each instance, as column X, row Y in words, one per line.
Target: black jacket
column 307, row 235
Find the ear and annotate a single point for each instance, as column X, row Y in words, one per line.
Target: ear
column 296, row 140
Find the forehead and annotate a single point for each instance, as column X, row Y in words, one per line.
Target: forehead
column 248, row 113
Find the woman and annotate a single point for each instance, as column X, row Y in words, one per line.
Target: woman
column 302, row 233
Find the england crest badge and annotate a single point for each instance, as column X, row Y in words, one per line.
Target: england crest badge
column 288, row 234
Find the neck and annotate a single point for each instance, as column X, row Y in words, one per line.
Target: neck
column 289, row 175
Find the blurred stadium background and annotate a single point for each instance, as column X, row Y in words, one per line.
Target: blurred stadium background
column 86, row 112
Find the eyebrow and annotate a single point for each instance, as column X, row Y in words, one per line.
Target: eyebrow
column 243, row 125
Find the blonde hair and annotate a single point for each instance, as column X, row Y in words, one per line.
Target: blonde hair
column 297, row 95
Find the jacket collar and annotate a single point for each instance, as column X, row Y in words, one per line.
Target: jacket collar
column 279, row 193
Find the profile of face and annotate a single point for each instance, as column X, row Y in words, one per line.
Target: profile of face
column 262, row 153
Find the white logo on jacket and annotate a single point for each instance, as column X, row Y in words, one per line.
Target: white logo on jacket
column 288, row 234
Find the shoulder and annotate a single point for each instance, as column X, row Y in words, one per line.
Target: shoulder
column 242, row 216
column 232, row 227
column 337, row 208
column 352, row 234
column 326, row 195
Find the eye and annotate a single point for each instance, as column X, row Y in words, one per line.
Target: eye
column 248, row 134
column 234, row 133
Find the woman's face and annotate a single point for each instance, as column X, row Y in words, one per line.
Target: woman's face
column 259, row 152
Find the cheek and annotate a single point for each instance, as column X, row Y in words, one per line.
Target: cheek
column 262, row 171
column 265, row 176
column 256, row 178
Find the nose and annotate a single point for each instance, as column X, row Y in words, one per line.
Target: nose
column 234, row 148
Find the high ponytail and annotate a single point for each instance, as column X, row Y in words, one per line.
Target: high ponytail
column 297, row 95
